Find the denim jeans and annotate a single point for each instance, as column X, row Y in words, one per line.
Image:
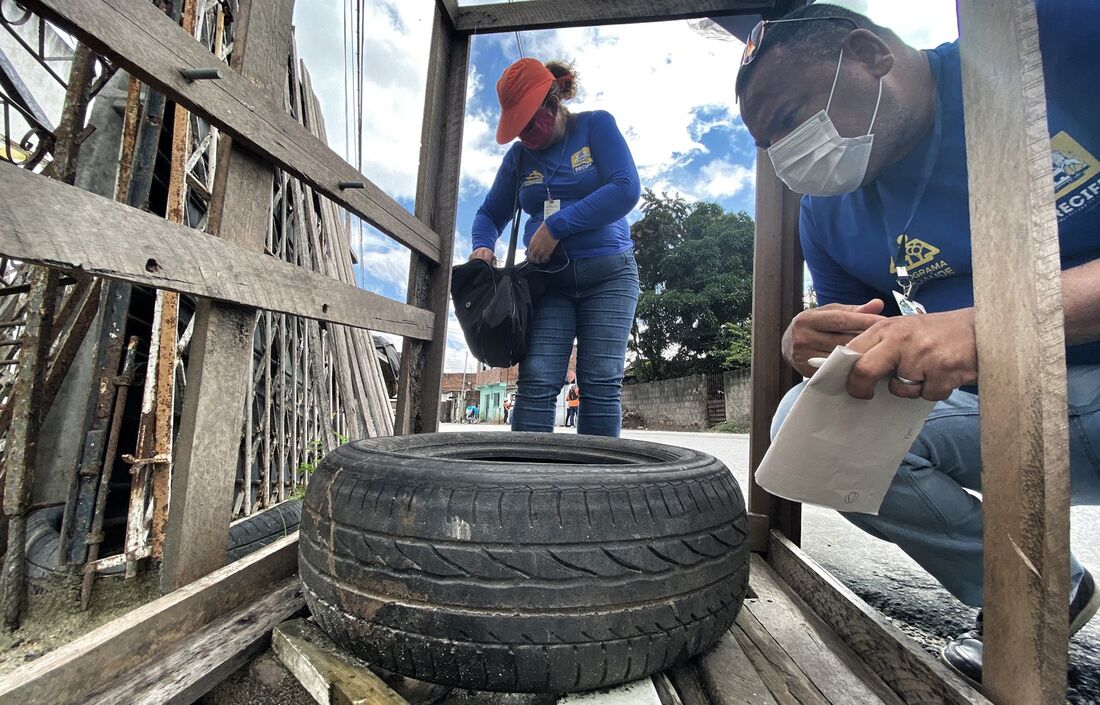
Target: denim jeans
column 591, row 301
column 929, row 514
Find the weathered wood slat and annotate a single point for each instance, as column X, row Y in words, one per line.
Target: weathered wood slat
column 910, row 672
column 823, row 656
column 776, row 299
column 785, row 680
column 436, row 204
column 149, row 45
column 72, row 672
column 204, row 660
column 549, row 14
column 1025, row 449
column 729, row 677
column 327, row 672
column 209, row 439
column 50, row 223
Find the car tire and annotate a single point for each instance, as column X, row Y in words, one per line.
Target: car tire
column 523, row 562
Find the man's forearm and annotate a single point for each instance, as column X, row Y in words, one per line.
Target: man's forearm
column 1081, row 303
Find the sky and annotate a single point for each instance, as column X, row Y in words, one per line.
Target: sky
column 669, row 87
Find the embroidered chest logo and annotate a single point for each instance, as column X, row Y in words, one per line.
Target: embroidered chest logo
column 534, row 178
column 921, row 260
column 1076, row 175
column 582, row 160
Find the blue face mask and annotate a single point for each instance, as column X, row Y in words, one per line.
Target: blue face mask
column 814, row 159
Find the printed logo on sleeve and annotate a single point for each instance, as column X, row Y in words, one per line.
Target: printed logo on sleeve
column 533, row 179
column 1076, row 175
column 582, row 160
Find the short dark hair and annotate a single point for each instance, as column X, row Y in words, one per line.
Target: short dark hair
column 811, row 40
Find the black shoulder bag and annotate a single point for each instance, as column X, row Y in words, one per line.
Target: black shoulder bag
column 494, row 305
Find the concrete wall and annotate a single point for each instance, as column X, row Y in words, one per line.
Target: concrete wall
column 671, row 403
column 682, row 402
column 737, row 386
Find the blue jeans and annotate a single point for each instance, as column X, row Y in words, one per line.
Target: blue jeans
column 929, row 514
column 591, row 301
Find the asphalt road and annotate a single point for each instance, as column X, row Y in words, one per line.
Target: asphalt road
column 884, row 576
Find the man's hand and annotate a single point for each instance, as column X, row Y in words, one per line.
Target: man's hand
column 938, row 350
column 542, row 245
column 815, row 333
column 484, row 254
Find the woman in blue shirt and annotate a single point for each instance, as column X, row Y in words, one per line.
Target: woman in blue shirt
column 577, row 181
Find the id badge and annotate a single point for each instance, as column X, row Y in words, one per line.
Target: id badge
column 550, row 207
column 907, row 306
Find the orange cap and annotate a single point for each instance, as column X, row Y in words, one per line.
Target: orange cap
column 522, row 88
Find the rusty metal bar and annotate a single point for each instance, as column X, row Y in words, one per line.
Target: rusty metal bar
column 95, row 536
column 20, row 457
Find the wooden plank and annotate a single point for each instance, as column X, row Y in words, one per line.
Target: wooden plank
column 71, row 672
column 550, row 14
column 208, row 657
column 776, row 299
column 903, row 665
column 729, row 677
column 421, row 377
column 823, row 656
column 145, row 42
column 689, row 685
column 1025, row 448
column 640, row 692
column 47, row 222
column 327, row 672
column 759, row 532
column 785, row 680
column 221, row 350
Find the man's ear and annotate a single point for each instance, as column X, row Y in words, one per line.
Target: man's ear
column 869, row 49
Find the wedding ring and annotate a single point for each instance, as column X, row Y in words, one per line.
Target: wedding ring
column 911, row 382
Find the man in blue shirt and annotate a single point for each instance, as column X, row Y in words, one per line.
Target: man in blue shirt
column 871, row 130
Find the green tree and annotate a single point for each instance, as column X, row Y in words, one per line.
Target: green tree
column 695, row 265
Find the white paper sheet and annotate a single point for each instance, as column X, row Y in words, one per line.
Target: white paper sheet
column 838, row 451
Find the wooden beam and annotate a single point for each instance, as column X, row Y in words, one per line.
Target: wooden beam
column 909, row 670
column 208, row 447
column 436, row 204
column 776, row 299
column 48, row 222
column 202, row 661
column 1024, row 437
column 72, row 672
column 327, row 672
column 551, row 14
column 145, row 42
column 831, row 664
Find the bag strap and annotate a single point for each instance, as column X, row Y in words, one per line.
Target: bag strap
column 511, row 260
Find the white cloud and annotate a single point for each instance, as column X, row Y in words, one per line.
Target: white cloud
column 395, row 66
column 722, row 178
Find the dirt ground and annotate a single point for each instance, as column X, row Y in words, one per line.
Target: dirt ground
column 54, row 617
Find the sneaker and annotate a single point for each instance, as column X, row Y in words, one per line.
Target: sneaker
column 964, row 653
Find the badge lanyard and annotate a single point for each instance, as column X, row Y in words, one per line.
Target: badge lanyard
column 551, row 205
column 904, row 280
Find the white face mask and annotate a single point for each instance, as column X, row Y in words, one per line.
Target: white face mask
column 814, row 159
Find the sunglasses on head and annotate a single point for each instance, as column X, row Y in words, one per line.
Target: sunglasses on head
column 756, row 36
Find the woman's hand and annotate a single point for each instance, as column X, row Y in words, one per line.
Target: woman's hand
column 484, row 254
column 542, row 245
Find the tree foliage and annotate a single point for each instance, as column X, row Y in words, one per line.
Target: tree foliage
column 695, row 265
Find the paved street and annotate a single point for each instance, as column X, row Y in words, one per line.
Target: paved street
column 883, row 575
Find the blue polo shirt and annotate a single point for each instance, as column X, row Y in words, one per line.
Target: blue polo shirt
column 850, row 243
column 592, row 173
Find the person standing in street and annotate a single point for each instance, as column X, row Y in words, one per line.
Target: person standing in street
column 573, row 405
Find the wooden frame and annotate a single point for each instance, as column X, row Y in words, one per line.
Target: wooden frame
column 551, row 14
column 1024, row 425
column 1027, row 532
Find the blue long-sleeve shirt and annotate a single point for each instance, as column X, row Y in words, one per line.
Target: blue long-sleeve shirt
column 592, row 173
